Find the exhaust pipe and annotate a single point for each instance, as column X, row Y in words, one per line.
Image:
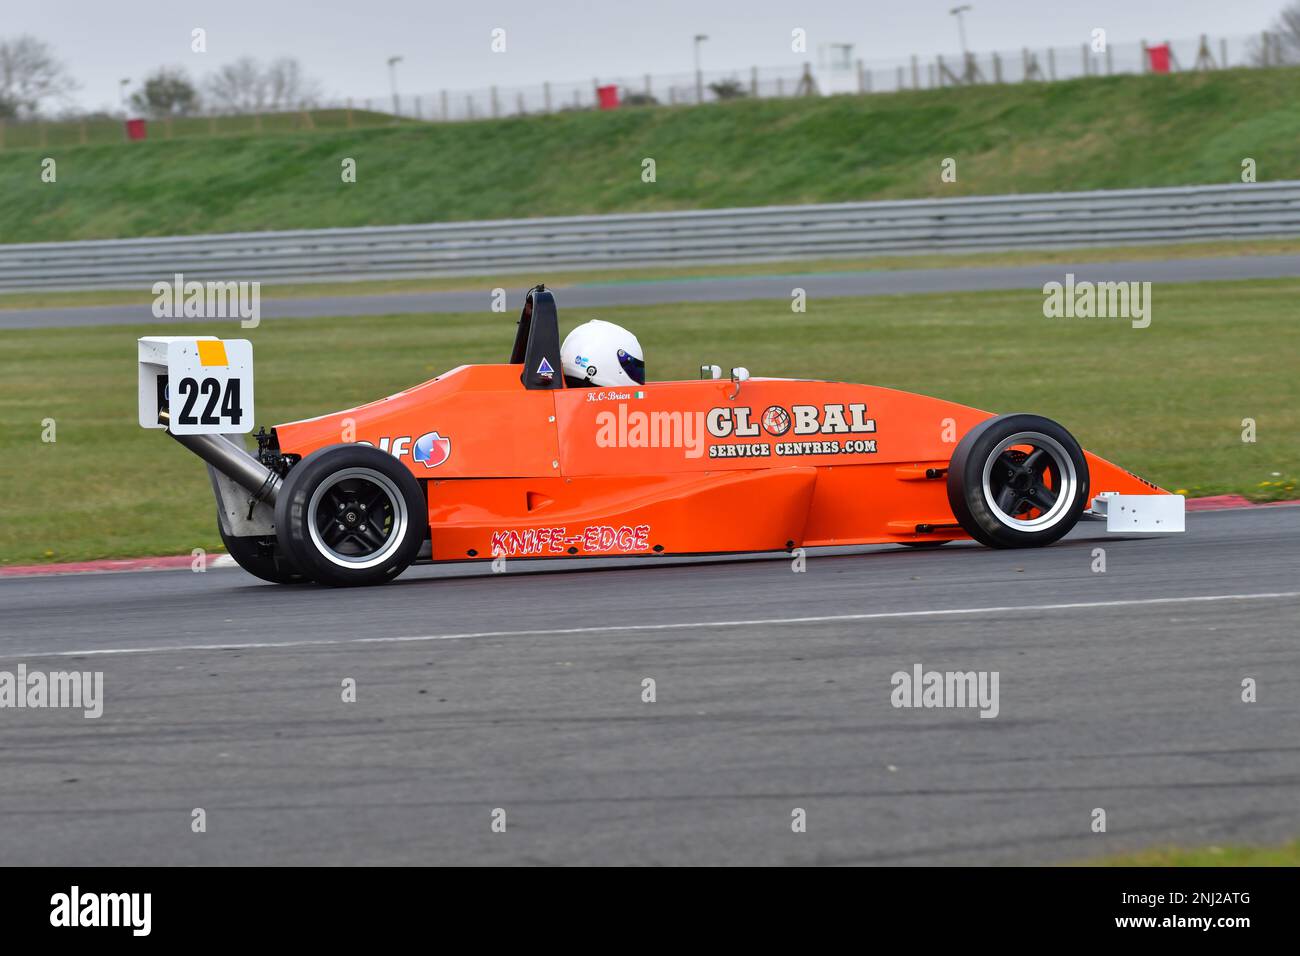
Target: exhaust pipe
column 231, row 460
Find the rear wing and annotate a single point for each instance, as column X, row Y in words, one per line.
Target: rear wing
column 203, row 382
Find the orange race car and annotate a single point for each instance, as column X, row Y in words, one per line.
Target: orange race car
column 536, row 458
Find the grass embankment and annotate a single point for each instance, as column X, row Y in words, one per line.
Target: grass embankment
column 1166, row 402
column 1096, row 133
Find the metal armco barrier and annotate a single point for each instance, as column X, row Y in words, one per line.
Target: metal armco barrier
column 1240, row 211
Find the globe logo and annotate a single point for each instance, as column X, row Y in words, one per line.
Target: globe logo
column 776, row 420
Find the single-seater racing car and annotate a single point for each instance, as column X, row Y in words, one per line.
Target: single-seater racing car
column 515, row 461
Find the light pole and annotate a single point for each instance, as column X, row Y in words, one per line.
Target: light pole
column 699, row 76
column 392, row 81
column 961, row 31
column 961, row 25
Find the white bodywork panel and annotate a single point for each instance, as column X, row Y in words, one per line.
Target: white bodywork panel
column 1144, row 513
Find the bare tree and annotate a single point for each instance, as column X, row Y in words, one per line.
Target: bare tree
column 247, row 86
column 30, row 75
column 287, row 85
column 1282, row 45
column 239, row 87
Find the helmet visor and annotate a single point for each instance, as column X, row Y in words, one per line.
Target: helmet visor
column 633, row 366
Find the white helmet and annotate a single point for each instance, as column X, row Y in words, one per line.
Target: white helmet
column 602, row 353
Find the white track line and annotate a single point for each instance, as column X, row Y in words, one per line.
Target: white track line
column 679, row 626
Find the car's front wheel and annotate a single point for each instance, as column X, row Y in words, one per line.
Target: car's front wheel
column 1017, row 481
column 351, row 515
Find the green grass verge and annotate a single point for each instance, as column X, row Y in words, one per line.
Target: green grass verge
column 561, row 279
column 1286, row 855
column 1166, row 402
column 1094, row 133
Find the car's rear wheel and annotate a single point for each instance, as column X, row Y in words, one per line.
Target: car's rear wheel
column 262, row 558
column 351, row 515
column 1018, row 481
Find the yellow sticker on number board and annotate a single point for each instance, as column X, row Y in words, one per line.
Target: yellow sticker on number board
column 212, row 352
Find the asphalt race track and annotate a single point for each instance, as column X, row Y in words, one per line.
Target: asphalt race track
column 734, row 289
column 522, row 691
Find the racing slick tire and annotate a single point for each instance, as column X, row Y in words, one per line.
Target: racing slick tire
column 1017, row 481
column 262, row 558
column 351, row 515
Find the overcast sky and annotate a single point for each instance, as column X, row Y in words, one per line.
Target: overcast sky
column 344, row 43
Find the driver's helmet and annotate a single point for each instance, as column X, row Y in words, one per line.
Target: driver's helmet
column 602, row 353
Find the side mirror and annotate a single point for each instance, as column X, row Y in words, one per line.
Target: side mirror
column 738, row 374
column 710, row 371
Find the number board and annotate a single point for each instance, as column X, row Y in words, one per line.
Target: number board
column 210, row 386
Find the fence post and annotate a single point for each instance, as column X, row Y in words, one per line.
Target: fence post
column 1145, row 58
column 1223, row 53
column 469, row 106
column 807, row 85
column 916, row 74
column 546, row 94
column 900, row 79
column 862, row 85
column 997, row 68
column 1109, row 64
column 81, row 131
column 417, row 107
column 929, row 69
column 496, row 106
column 753, row 81
column 442, row 105
column 1051, row 62
column 649, row 93
column 1085, row 59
